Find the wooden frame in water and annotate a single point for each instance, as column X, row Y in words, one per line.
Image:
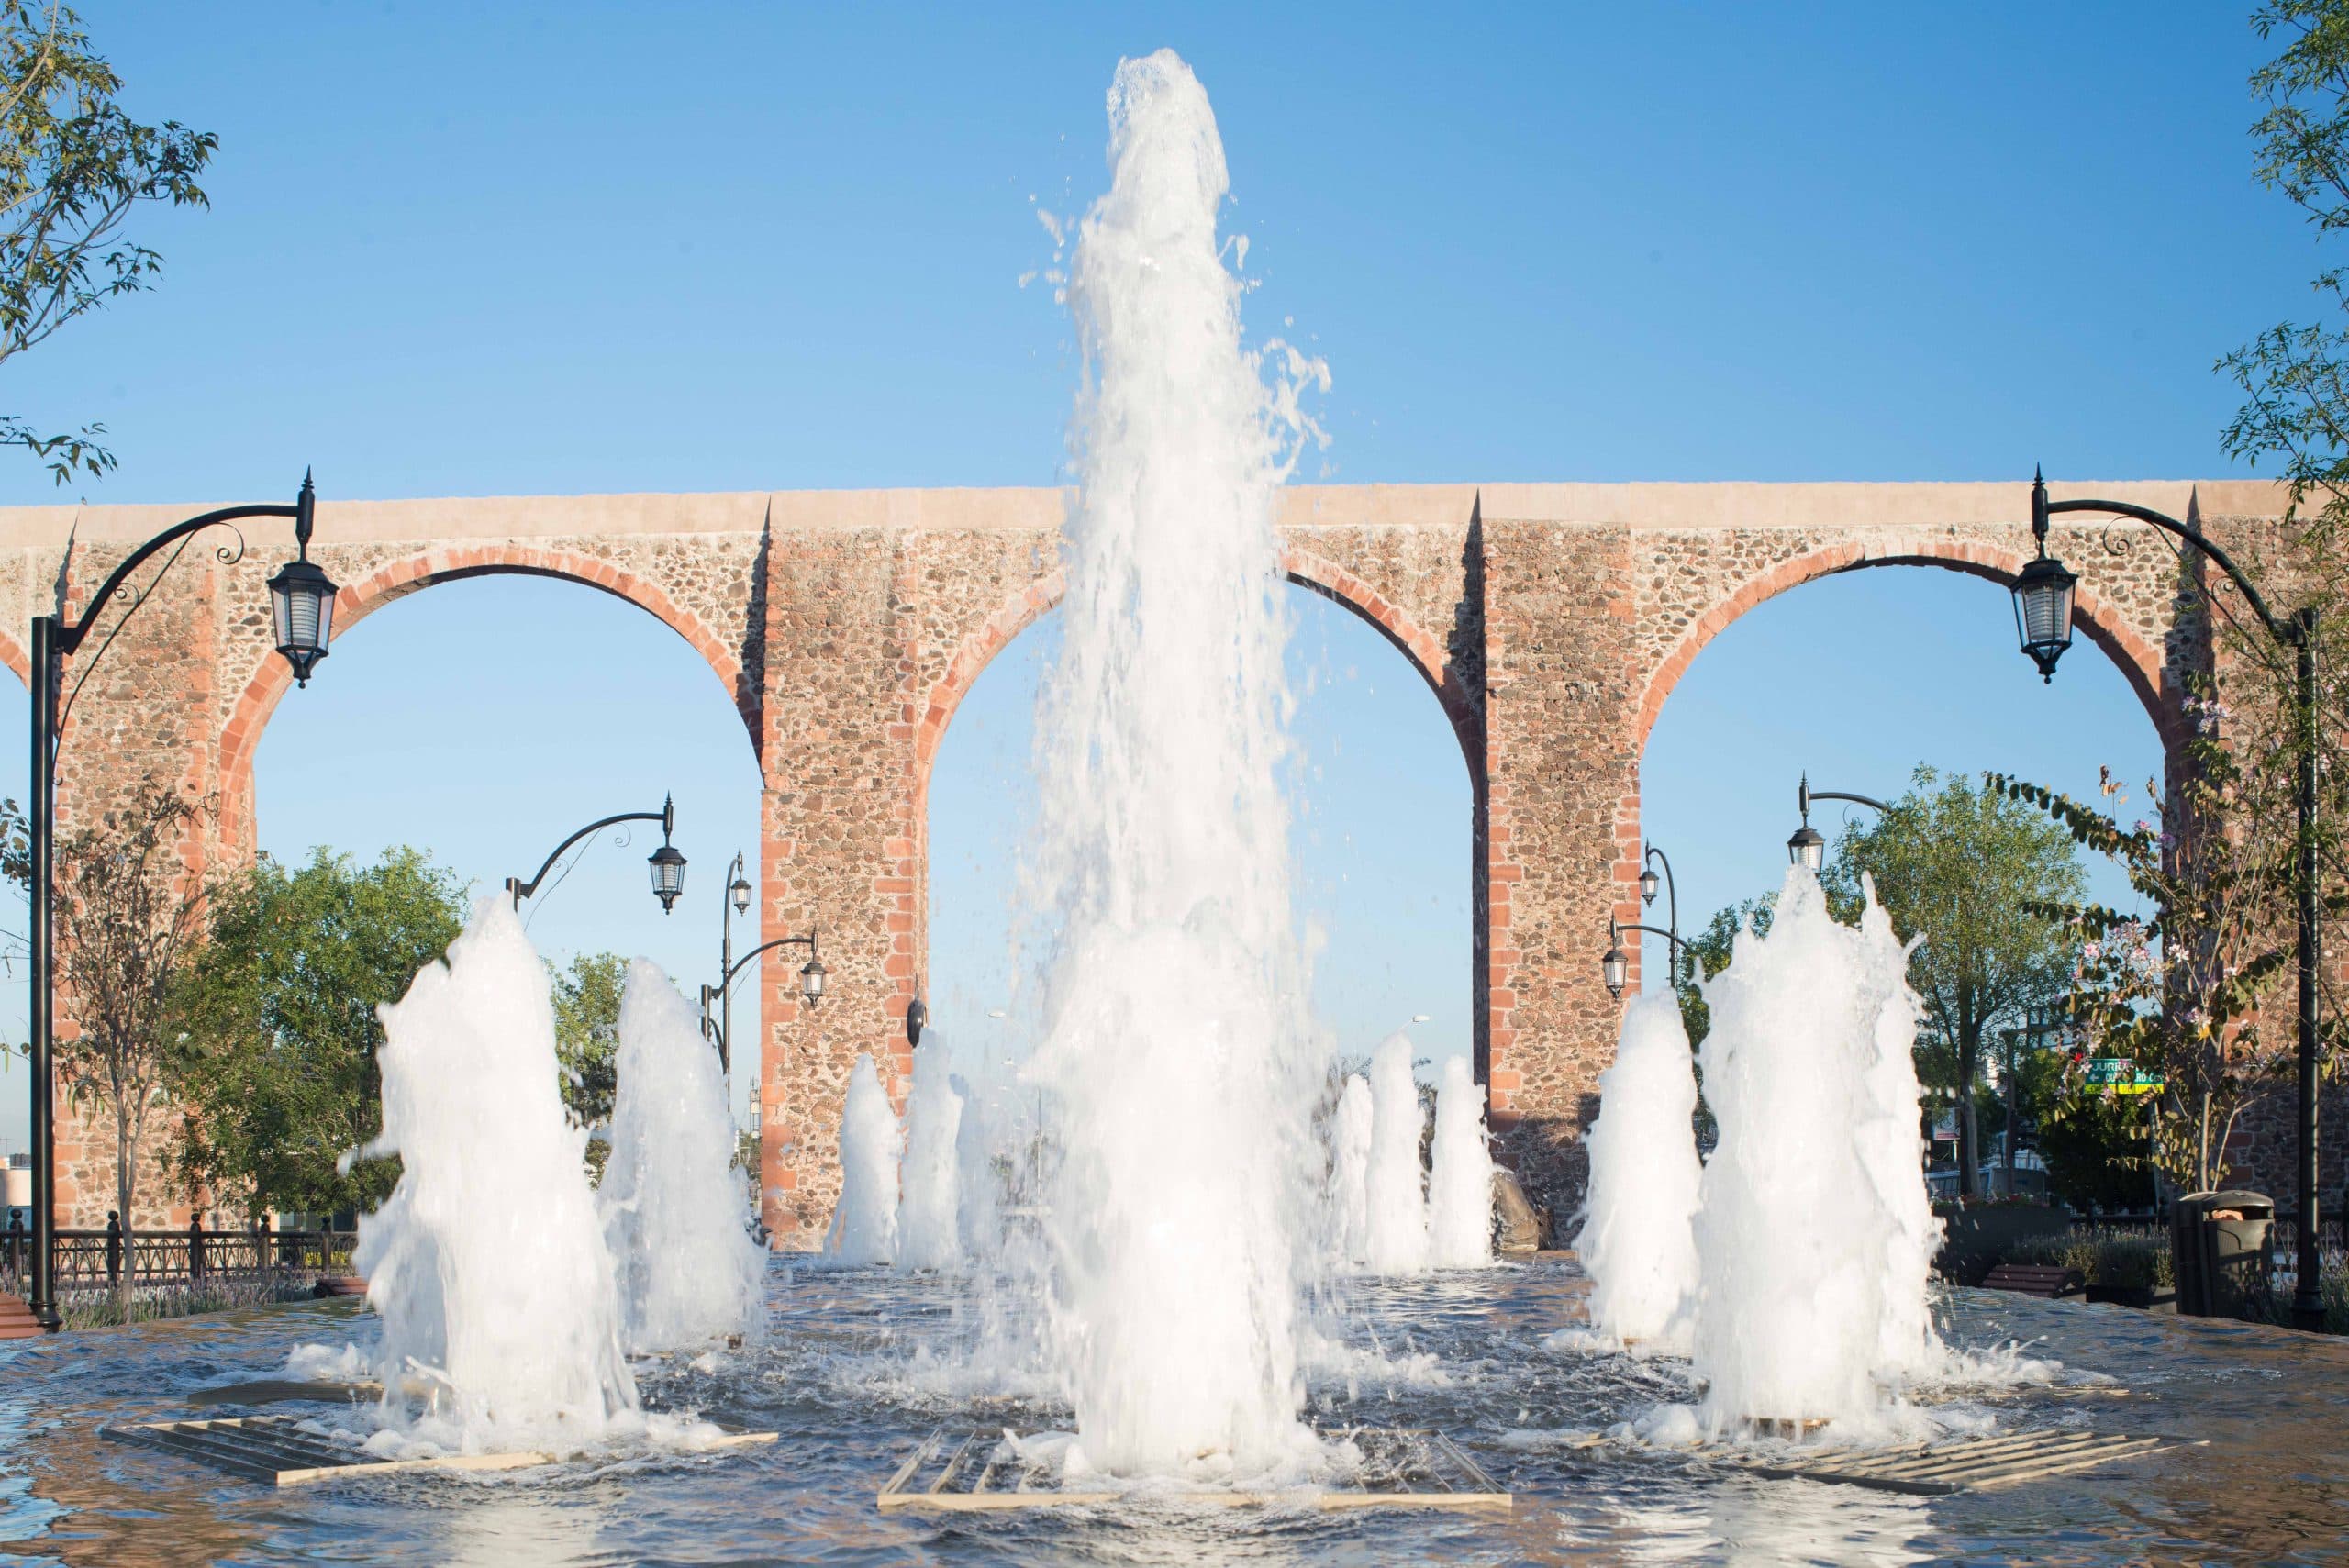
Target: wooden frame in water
column 983, row 1470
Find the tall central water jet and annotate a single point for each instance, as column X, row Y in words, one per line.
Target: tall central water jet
column 1174, row 1041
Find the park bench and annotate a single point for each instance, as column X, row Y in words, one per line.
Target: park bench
column 2049, row 1282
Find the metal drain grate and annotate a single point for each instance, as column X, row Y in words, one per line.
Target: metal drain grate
column 1402, row 1468
column 1970, row 1464
column 276, row 1451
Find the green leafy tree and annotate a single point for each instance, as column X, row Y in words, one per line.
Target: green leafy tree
column 2097, row 1146
column 128, row 920
column 2296, row 410
column 72, row 169
column 277, row 1064
column 587, row 1034
column 1976, row 874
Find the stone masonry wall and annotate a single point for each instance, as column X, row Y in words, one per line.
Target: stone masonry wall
column 1550, row 622
column 1560, row 760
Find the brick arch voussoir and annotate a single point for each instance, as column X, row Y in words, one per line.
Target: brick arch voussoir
column 1405, row 635
column 240, row 737
column 2140, row 660
column 13, row 654
column 1022, row 609
column 1015, row 615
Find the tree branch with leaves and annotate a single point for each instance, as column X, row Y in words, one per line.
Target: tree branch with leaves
column 2179, row 993
column 275, row 1061
column 130, row 915
column 1971, row 873
column 73, row 167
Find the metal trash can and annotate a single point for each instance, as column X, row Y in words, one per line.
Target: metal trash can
column 2218, row 1244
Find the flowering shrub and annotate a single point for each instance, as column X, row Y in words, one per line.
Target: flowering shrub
column 2178, row 993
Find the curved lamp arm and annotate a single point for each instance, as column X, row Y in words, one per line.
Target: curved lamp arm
column 667, row 816
column 807, row 941
column 1805, row 794
column 70, row 635
column 1616, row 965
column 1680, row 946
column 2286, row 632
column 1671, row 888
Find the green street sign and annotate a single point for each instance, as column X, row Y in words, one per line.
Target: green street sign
column 2121, row 1075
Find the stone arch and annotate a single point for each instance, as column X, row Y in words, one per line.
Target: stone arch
column 2139, row 661
column 1023, row 609
column 19, row 661
column 1406, row 636
column 1491, row 967
column 240, row 737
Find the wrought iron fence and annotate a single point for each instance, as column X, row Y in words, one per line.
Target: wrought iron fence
column 88, row 1259
column 2332, row 1241
column 2148, row 1225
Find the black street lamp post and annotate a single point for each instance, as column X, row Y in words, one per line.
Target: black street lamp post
column 301, row 601
column 1807, row 846
column 1615, row 964
column 2043, row 601
column 1650, row 859
column 667, row 866
column 736, row 901
column 811, row 988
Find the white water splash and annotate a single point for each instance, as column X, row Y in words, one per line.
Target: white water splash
column 674, row 1212
column 865, row 1222
column 486, row 1263
column 1460, row 1174
column 1637, row 1240
column 1396, row 1201
column 978, row 1219
column 1350, row 1170
column 928, row 1234
column 1175, row 1055
column 1890, row 1148
column 1810, row 1300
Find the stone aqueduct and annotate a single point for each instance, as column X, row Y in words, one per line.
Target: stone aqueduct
column 1551, row 621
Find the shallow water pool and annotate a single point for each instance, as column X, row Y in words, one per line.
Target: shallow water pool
column 863, row 1364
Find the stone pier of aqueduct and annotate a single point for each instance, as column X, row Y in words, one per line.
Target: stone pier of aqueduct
column 1550, row 622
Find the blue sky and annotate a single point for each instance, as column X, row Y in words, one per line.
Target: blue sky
column 734, row 247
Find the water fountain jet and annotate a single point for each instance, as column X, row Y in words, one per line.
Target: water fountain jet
column 928, row 1235
column 1810, row 1223
column 672, row 1204
column 864, row 1220
column 1637, row 1240
column 1395, row 1200
column 1176, row 1056
column 1460, row 1175
column 486, row 1264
